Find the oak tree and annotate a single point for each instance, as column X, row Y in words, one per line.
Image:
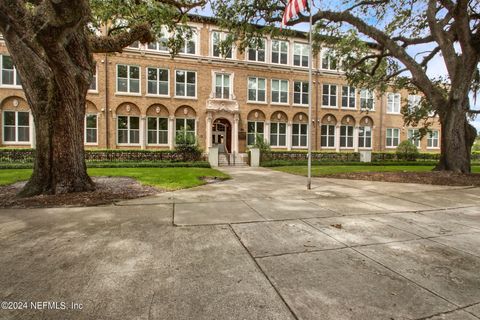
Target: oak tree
column 52, row 43
column 384, row 44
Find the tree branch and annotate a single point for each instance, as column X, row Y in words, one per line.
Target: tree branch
column 116, row 43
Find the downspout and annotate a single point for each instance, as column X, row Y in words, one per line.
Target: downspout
column 107, row 108
column 382, row 146
column 316, row 110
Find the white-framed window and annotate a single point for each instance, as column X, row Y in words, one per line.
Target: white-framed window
column 135, row 45
column 16, row 127
column 257, row 89
column 128, row 130
column 254, row 128
column 280, row 52
column 329, row 96
column 413, row 102
column 301, row 54
column 393, row 137
column 299, row 135
column 365, row 137
column 128, row 78
column 158, row 83
column 91, row 128
column 189, row 45
column 393, row 103
column 280, row 91
column 367, row 99
column 217, row 38
column 94, row 84
column 346, row 136
column 9, row 74
column 185, row 83
column 185, row 126
column 278, row 134
column 157, row 130
column 433, row 139
column 329, row 61
column 162, row 41
column 414, row 137
column 348, row 97
column 258, row 53
column 222, row 86
column 300, row 92
column 327, row 138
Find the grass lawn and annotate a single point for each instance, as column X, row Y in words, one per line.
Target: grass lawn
column 325, row 170
column 164, row 178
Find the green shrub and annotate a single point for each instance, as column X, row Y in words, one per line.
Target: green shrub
column 406, row 150
column 187, row 147
column 261, row 144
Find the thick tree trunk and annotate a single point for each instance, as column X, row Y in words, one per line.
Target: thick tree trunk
column 457, row 139
column 56, row 92
column 60, row 158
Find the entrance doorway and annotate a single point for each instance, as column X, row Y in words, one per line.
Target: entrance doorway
column 222, row 135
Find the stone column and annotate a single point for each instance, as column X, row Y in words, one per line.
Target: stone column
column 337, row 138
column 208, row 138
column 236, row 119
column 171, row 132
column 355, row 138
column 32, row 137
column 266, row 131
column 142, row 132
column 289, row 135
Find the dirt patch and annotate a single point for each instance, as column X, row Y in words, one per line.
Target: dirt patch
column 433, row 177
column 109, row 190
column 210, row 180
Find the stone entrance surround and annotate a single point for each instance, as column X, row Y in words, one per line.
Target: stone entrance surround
column 259, row 246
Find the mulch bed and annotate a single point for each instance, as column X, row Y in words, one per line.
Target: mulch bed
column 109, row 190
column 433, row 177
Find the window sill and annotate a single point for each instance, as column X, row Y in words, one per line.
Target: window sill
column 301, row 105
column 128, row 144
column 280, row 104
column 186, row 98
column 433, row 148
column 91, row 144
column 92, row 92
column 149, row 95
column 391, row 147
column 8, row 86
column 299, row 148
column 257, row 102
column 129, row 94
column 12, row 143
column 329, row 107
column 157, row 145
column 348, row 109
column 394, row 113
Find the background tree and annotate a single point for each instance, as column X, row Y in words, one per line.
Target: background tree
column 384, row 42
column 52, row 43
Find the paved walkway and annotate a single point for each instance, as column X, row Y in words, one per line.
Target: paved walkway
column 259, row 246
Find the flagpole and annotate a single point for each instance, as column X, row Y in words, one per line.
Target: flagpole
column 310, row 94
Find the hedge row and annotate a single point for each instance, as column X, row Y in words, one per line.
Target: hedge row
column 343, row 157
column 197, row 164
column 284, row 163
column 28, row 155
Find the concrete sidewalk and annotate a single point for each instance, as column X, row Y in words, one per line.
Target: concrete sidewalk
column 259, row 246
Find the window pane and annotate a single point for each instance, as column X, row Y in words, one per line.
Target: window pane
column 122, row 122
column 122, row 71
column 152, row 123
column 9, row 118
column 134, row 122
column 163, row 123
column 91, row 121
column 134, row 72
column 9, row 133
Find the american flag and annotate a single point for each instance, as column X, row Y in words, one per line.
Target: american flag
column 292, row 9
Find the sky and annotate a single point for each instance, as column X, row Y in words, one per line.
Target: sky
column 436, row 67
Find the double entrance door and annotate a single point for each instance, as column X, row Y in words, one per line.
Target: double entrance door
column 220, row 136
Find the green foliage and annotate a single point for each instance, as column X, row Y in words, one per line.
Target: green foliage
column 476, row 145
column 261, row 144
column 186, row 146
column 406, row 150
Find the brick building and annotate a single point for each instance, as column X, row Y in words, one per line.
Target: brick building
column 142, row 98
